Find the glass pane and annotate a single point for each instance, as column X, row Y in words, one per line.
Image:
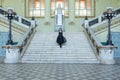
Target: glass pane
column 59, row 2
column 31, row 3
column 52, row 4
column 92, row 4
column 66, row 4
column 36, row 8
column 62, row 3
column 83, row 8
column 89, row 12
column 89, row 4
column 52, row 12
column 77, row 4
column 30, row 12
column 37, row 12
column 66, row 12
column 42, row 13
column 37, row 4
column 83, row 12
column 42, row 4
column 82, row 4
column 77, row 13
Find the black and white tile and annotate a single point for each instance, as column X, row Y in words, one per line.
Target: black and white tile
column 59, row 72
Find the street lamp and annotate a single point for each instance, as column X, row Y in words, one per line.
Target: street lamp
column 10, row 15
column 109, row 14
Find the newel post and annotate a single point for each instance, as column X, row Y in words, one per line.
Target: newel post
column 33, row 22
column 12, row 54
column 86, row 21
column 107, row 55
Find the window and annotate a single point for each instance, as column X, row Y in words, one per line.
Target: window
column 84, row 8
column 64, row 6
column 35, row 8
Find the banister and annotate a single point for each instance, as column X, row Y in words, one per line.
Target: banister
column 103, row 53
column 17, row 29
column 100, row 18
column 19, row 19
column 15, row 52
column 22, row 41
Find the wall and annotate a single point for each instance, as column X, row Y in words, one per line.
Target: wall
column 103, row 36
column 18, row 6
column 16, row 35
column 101, row 5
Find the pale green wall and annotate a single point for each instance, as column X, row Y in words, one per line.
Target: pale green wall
column 103, row 36
column 16, row 36
column 18, row 6
column 102, row 4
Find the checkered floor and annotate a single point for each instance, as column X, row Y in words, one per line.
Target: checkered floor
column 59, row 72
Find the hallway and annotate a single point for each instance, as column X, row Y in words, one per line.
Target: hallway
column 59, row 72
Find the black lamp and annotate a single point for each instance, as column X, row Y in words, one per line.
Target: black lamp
column 109, row 14
column 10, row 15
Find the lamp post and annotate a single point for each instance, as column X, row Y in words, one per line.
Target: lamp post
column 10, row 15
column 109, row 14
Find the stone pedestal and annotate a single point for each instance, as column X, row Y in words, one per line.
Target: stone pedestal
column 107, row 55
column 12, row 56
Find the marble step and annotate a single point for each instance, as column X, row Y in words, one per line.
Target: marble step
column 62, row 61
column 44, row 49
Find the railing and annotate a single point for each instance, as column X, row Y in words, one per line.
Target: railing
column 103, row 28
column 101, row 51
column 18, row 19
column 20, row 48
column 100, row 19
column 18, row 29
column 22, row 44
column 93, row 40
column 15, row 52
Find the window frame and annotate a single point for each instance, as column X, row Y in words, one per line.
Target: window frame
column 52, row 16
column 79, row 16
column 27, row 8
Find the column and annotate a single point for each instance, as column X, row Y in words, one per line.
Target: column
column 47, row 9
column 71, row 10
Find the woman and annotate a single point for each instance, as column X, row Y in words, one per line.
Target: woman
column 60, row 39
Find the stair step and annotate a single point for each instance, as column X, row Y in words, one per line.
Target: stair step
column 44, row 49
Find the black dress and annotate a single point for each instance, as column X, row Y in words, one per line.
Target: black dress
column 60, row 39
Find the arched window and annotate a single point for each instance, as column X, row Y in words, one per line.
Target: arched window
column 35, row 8
column 64, row 6
column 84, row 8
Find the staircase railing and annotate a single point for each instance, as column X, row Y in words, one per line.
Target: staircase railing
column 100, row 19
column 104, row 53
column 99, row 29
column 4, row 23
column 15, row 52
column 17, row 20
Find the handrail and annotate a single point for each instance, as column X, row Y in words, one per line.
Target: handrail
column 18, row 19
column 17, row 29
column 23, row 40
column 100, row 18
column 96, row 44
column 23, row 43
column 114, row 24
column 93, row 40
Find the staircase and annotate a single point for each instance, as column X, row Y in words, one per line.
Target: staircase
column 44, row 49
